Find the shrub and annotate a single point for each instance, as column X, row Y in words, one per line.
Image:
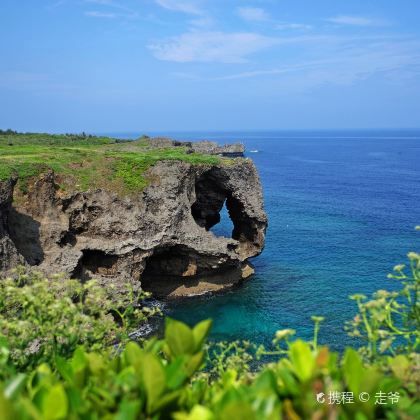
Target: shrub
column 180, row 377
column 41, row 317
column 389, row 323
column 164, row 379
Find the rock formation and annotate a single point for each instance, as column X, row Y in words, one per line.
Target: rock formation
column 9, row 255
column 159, row 237
column 205, row 146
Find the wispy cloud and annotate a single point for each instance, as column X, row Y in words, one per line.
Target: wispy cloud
column 352, row 20
column 57, row 3
column 213, row 46
column 289, row 25
column 202, row 22
column 267, row 72
column 110, row 9
column 98, row 14
column 185, row 6
column 103, row 2
column 252, row 14
column 340, row 61
column 111, row 4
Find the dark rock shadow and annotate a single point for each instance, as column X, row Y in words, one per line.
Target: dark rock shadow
column 24, row 231
column 172, row 268
column 95, row 262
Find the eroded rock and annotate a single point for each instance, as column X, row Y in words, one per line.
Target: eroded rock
column 205, row 146
column 9, row 255
column 160, row 237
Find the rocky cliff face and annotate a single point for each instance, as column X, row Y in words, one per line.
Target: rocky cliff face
column 159, row 238
column 9, row 255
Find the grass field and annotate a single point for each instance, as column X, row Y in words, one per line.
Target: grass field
column 86, row 162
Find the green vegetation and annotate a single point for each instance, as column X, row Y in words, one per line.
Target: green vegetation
column 179, row 377
column 390, row 322
column 42, row 317
column 85, row 162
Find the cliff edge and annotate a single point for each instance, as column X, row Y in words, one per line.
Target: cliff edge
column 158, row 237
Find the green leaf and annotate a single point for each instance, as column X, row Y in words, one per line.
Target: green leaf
column 6, row 408
column 237, row 410
column 265, row 382
column 290, row 384
column 194, row 363
column 64, row 368
column 154, row 379
column 96, row 363
column 133, row 355
column 302, row 360
column 127, row 379
column 79, row 361
column 200, row 333
column 76, row 401
column 353, row 370
column 198, row 412
column 400, row 365
column 15, row 385
column 55, row 403
column 167, row 399
column 175, row 373
column 128, row 410
column 79, row 364
column 179, row 337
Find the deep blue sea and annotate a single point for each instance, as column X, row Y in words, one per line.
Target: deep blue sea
column 342, row 207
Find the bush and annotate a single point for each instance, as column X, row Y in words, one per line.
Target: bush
column 164, row 379
column 180, row 377
column 42, row 317
column 390, row 322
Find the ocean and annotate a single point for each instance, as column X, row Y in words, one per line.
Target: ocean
column 342, row 207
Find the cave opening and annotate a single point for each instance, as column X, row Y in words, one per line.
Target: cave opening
column 211, row 209
column 179, row 270
column 24, row 231
column 218, row 209
column 225, row 225
column 168, row 267
column 95, row 262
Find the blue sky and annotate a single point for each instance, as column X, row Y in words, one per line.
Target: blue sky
column 129, row 65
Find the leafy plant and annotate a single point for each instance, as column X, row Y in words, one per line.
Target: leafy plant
column 389, row 323
column 41, row 317
column 180, row 377
column 164, row 379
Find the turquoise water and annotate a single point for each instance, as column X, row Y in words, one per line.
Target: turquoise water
column 342, row 206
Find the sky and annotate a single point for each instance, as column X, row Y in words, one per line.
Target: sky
column 138, row 65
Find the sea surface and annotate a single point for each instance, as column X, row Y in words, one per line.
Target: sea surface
column 342, row 207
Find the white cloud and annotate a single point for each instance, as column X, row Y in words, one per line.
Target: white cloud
column 288, row 68
column 351, row 20
column 298, row 26
column 58, row 3
column 102, row 2
column 202, row 22
column 186, row 6
column 342, row 61
column 213, row 46
column 252, row 14
column 97, row 14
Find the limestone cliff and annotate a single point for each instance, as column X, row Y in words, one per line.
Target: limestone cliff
column 159, row 237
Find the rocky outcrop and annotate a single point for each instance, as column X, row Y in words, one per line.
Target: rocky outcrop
column 9, row 256
column 204, row 147
column 160, row 238
column 212, row 148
